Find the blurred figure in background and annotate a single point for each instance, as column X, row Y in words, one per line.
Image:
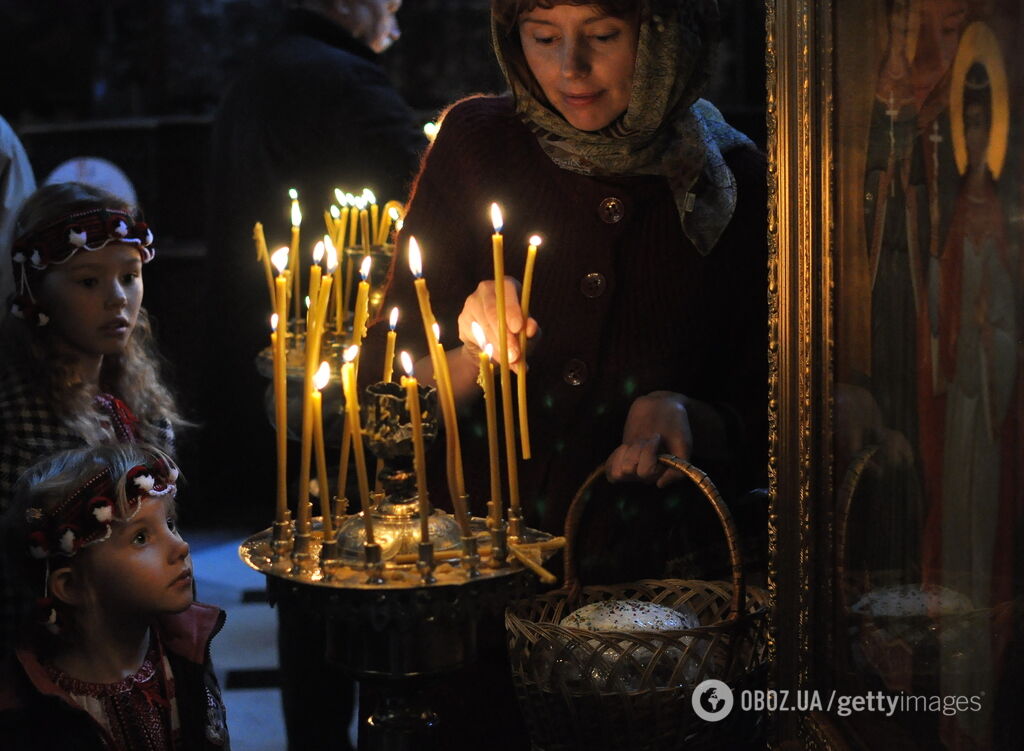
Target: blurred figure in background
column 314, row 112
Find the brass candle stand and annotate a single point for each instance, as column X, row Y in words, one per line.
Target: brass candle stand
column 399, row 611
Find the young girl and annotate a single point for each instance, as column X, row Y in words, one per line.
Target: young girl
column 76, row 360
column 116, row 652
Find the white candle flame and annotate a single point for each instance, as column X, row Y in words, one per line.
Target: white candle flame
column 393, row 318
column 437, row 331
column 369, row 196
column 280, row 259
column 273, row 322
column 415, row 261
column 351, row 353
column 430, row 131
column 341, row 198
column 318, row 251
column 332, row 254
column 293, row 194
column 364, row 268
column 489, row 349
column 307, row 302
column 335, row 212
column 478, row 334
column 322, row 377
column 535, row 241
column 395, row 214
column 406, row 362
column 296, row 214
column 496, row 219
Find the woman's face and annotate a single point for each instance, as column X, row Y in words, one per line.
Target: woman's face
column 93, row 300
column 583, row 60
column 373, row 21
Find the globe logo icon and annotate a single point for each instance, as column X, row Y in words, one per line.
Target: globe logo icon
column 712, row 700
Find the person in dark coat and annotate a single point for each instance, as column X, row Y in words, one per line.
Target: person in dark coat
column 314, row 112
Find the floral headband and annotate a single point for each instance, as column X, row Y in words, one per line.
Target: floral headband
column 85, row 517
column 56, row 243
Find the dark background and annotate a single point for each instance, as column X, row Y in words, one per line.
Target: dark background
column 137, row 82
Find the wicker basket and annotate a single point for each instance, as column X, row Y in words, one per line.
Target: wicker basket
column 903, row 650
column 591, row 690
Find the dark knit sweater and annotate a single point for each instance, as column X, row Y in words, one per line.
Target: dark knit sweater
column 665, row 318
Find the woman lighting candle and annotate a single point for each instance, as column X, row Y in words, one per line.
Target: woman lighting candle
column 412, row 404
column 487, row 384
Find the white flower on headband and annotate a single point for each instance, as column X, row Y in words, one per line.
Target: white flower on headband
column 144, row 482
column 51, row 622
column 149, row 237
column 77, row 238
column 19, row 257
column 103, row 513
column 37, row 260
column 121, row 229
column 172, row 475
column 67, row 542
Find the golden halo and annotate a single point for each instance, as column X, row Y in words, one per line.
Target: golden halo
column 979, row 45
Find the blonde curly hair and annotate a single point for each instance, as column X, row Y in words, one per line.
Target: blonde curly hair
column 134, row 375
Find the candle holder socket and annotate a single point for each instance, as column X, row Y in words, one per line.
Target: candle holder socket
column 425, row 562
column 302, row 555
column 499, row 546
column 515, row 526
column 281, row 539
column 339, row 510
column 470, row 557
column 374, row 563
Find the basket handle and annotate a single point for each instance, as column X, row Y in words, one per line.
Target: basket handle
column 844, row 502
column 705, row 485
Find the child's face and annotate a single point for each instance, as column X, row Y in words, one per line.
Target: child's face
column 144, row 569
column 93, row 300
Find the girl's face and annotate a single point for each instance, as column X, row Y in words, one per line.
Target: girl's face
column 144, row 568
column 583, row 60
column 93, row 300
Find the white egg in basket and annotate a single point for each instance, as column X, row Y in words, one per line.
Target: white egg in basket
column 629, row 615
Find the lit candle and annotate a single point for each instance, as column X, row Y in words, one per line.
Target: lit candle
column 315, row 272
column 487, row 384
column 293, row 262
column 353, row 216
column 323, row 375
column 412, row 403
column 362, row 310
column 332, row 264
column 392, row 213
column 278, row 340
column 498, row 246
column 389, row 347
column 524, row 425
column 364, row 229
column 264, row 256
column 348, row 381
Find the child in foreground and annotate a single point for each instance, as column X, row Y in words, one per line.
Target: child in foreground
column 115, row 653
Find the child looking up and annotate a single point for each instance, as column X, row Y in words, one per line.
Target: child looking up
column 76, row 360
column 115, row 654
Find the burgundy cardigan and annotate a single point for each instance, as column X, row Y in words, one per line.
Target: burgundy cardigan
column 626, row 307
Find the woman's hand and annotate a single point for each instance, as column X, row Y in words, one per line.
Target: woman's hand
column 656, row 423
column 482, row 307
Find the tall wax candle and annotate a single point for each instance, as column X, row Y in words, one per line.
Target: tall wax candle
column 315, row 272
column 320, row 380
column 498, row 248
column 524, row 426
column 263, row 256
column 412, row 403
column 444, row 380
column 487, row 384
column 348, row 380
column 280, row 327
column 389, row 347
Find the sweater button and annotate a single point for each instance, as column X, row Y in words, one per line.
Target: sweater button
column 593, row 284
column 575, row 372
column 611, row 210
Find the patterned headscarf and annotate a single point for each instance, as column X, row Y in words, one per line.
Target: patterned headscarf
column 666, row 130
